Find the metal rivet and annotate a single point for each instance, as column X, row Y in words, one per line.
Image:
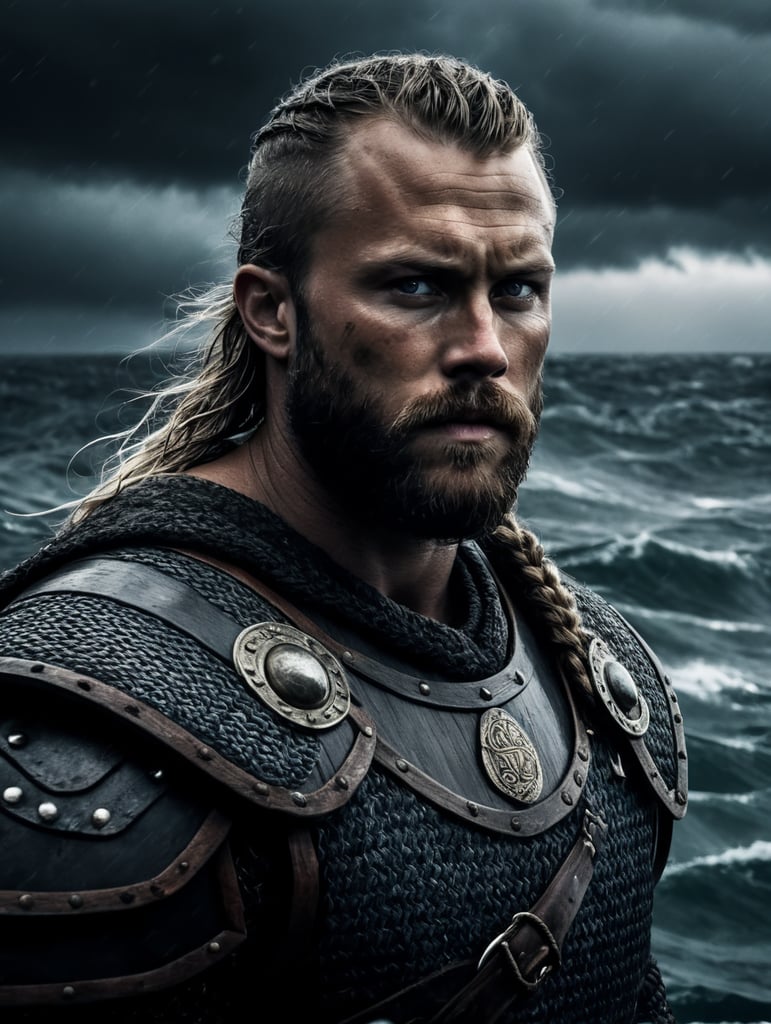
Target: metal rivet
column 341, row 782
column 68, row 991
column 26, row 902
column 12, row 795
column 127, row 897
column 214, row 947
column 157, row 775
column 680, row 797
column 567, row 798
column 75, row 901
column 38, row 667
column 583, row 754
column 425, row 689
column 183, row 866
column 682, row 755
column 578, row 777
column 48, row 811
column 100, row 817
column 261, row 788
column 485, row 694
column 17, row 739
column 519, row 677
column 347, row 656
column 402, row 765
column 299, row 799
column 204, row 753
column 678, row 719
column 367, row 730
column 473, row 808
column 516, row 824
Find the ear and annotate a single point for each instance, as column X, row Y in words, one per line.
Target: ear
column 265, row 303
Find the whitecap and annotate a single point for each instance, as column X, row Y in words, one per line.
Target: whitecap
column 760, row 850
column 697, row 621
column 702, row 796
column 701, row 679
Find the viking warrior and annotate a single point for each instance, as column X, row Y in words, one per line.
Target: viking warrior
column 299, row 720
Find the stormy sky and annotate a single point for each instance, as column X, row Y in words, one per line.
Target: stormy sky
column 127, row 132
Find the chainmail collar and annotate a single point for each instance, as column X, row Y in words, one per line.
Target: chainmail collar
column 179, row 511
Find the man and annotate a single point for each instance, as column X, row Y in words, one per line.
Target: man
column 300, row 722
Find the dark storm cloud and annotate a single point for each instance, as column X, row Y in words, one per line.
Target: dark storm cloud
column 643, row 101
column 127, row 127
column 112, row 244
column 742, row 15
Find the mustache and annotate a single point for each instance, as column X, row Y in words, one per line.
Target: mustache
column 486, row 402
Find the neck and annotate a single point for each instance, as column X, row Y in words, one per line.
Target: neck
column 411, row 571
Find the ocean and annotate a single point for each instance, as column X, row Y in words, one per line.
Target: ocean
column 651, row 481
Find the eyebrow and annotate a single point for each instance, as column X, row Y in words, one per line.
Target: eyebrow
column 427, row 260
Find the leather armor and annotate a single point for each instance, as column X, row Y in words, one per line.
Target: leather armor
column 177, row 779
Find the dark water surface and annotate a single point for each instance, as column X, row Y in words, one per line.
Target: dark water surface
column 651, row 482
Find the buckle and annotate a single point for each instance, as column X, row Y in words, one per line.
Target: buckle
column 549, row 945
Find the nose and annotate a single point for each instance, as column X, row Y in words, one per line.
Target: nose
column 473, row 348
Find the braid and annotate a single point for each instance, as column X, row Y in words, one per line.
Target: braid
column 553, row 612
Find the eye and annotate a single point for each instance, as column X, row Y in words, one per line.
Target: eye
column 415, row 286
column 516, row 289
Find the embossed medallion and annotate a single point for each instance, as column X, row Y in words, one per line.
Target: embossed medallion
column 293, row 674
column 510, row 759
column 616, row 688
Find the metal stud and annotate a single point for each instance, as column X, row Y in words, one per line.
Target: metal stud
column 26, row 902
column 425, row 689
column 100, row 817
column 297, row 676
column 622, row 686
column 12, row 795
column 17, row 739
column 48, row 811
column 485, row 694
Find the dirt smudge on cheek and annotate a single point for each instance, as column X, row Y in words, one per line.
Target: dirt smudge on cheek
column 364, row 357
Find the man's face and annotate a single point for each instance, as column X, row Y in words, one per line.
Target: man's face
column 414, row 388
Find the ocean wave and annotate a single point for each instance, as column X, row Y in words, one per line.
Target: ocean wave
column 705, row 680
column 758, row 851
column 646, row 544
column 696, row 621
column 699, row 796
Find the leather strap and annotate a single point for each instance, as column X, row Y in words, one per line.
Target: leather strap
column 514, row 963
column 519, row 959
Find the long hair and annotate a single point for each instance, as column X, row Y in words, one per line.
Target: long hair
column 291, row 191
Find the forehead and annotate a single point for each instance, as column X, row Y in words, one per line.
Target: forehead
column 394, row 183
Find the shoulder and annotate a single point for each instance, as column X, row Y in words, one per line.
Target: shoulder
column 107, row 838
column 660, row 748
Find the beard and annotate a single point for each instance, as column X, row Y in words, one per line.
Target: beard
column 370, row 466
